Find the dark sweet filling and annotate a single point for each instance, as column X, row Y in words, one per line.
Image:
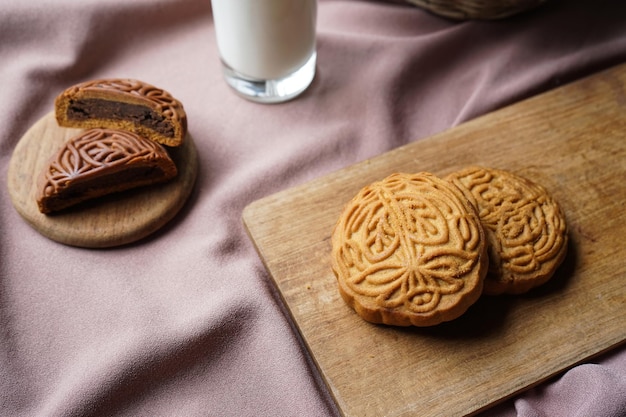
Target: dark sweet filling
column 112, row 110
column 131, row 176
column 106, row 184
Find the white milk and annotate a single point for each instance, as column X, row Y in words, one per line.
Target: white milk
column 265, row 39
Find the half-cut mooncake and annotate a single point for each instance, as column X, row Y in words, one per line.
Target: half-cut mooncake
column 98, row 162
column 123, row 104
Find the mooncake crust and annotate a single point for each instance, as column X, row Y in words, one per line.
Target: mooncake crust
column 98, row 162
column 525, row 227
column 123, row 104
column 409, row 250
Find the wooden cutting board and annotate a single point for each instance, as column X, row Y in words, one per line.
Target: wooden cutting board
column 113, row 220
column 573, row 141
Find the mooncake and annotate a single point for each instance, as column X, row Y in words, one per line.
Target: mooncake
column 525, row 228
column 98, row 162
column 123, row 104
column 409, row 250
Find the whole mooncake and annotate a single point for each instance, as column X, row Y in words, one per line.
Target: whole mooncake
column 98, row 162
column 525, row 228
column 409, row 250
column 123, row 104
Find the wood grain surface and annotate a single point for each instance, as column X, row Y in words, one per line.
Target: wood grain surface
column 113, row 220
column 572, row 141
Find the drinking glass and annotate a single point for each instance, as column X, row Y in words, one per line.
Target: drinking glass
column 267, row 47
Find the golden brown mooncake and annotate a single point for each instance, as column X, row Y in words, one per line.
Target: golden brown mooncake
column 525, row 228
column 123, row 104
column 409, row 250
column 98, row 162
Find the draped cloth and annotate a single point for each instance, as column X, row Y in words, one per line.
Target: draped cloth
column 185, row 322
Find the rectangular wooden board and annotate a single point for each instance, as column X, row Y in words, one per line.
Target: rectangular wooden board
column 572, row 140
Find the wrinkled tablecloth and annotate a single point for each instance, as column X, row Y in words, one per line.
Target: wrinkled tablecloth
column 185, row 322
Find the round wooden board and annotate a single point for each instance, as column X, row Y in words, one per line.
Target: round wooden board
column 113, row 220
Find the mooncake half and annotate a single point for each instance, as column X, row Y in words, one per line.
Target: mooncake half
column 123, row 104
column 98, row 162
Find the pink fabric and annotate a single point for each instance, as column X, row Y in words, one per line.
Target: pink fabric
column 185, row 323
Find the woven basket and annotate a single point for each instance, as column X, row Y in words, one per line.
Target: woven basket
column 476, row 9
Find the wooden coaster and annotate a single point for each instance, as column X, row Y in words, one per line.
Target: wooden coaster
column 113, row 220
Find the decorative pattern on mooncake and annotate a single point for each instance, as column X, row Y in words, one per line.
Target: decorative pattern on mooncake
column 409, row 250
column 525, row 228
column 123, row 104
column 99, row 162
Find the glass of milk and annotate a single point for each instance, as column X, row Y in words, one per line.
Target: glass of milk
column 267, row 47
